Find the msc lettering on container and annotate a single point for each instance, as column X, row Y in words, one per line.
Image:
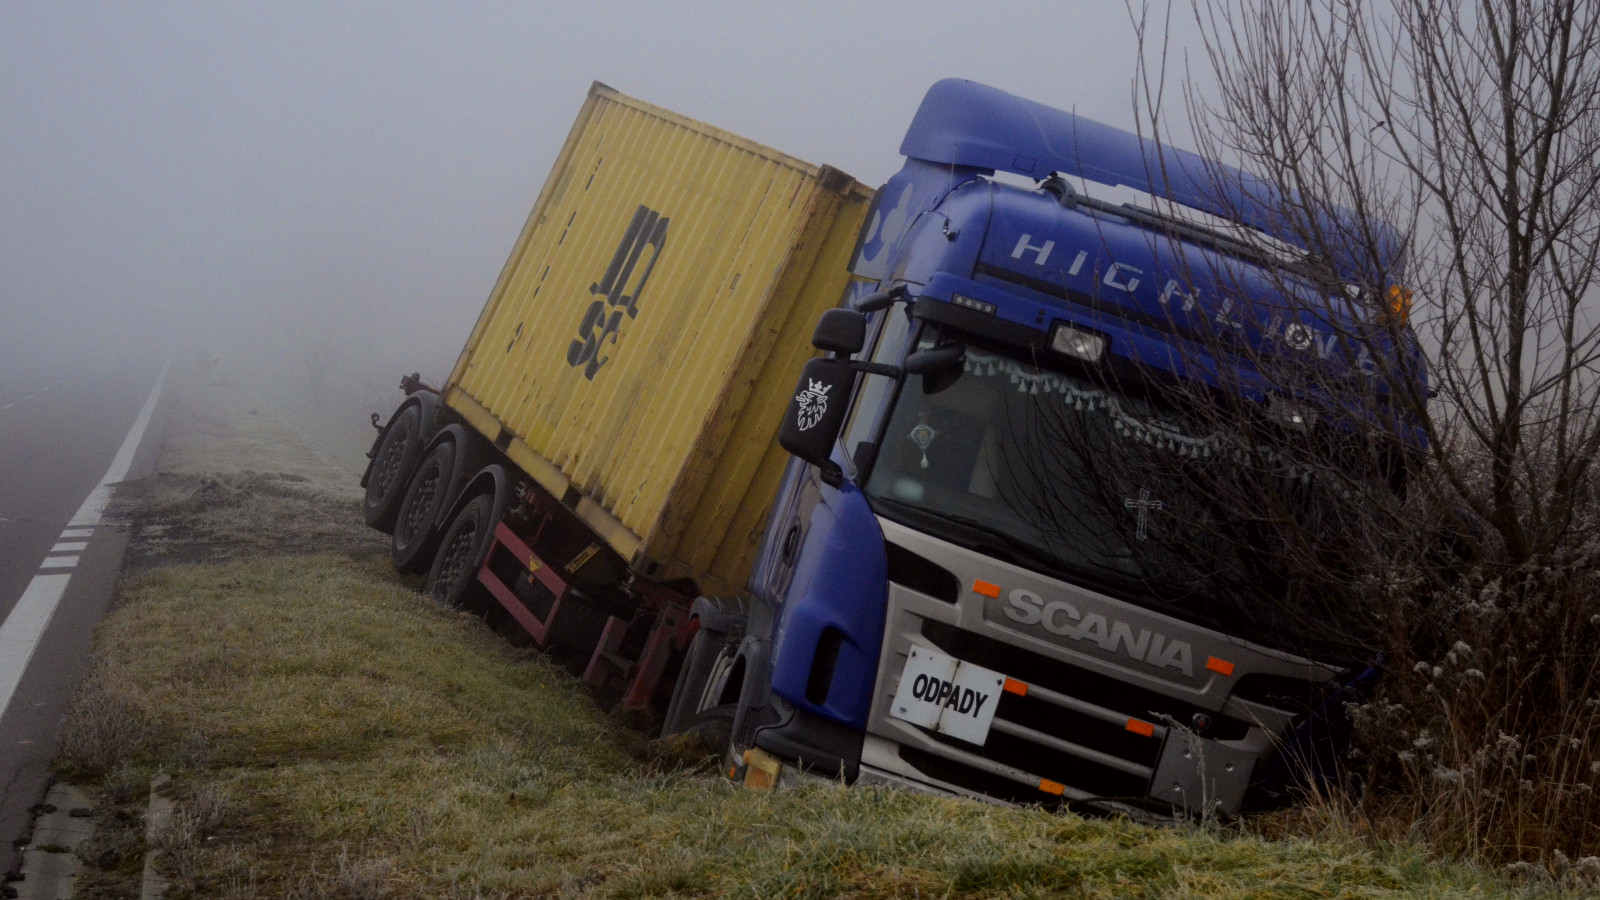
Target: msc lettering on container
column 618, row 289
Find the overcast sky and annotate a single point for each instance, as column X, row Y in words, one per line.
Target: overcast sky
column 349, row 177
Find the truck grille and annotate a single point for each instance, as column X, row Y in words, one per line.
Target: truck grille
column 1071, row 728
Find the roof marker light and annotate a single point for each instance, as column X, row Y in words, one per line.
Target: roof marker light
column 1077, row 343
column 966, row 302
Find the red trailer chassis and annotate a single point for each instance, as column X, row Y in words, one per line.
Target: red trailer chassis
column 635, row 651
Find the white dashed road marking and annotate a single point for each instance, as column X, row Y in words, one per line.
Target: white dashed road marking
column 69, row 547
column 25, row 626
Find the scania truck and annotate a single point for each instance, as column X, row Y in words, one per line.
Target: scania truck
column 954, row 555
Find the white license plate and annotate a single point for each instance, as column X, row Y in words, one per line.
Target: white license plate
column 950, row 696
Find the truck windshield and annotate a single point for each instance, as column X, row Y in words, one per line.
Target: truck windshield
column 1117, row 489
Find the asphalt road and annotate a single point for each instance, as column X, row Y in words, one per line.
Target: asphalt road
column 61, row 429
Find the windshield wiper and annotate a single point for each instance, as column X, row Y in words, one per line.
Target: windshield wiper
column 990, row 541
column 1030, row 553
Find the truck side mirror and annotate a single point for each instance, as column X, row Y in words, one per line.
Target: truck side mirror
column 936, row 360
column 877, row 300
column 940, row 367
column 816, row 414
column 842, row 331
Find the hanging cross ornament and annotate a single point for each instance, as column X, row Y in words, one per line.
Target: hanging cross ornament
column 922, row 436
column 1142, row 508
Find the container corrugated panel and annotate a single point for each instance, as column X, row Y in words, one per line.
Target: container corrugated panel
column 642, row 341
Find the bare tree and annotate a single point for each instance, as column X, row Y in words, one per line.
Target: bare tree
column 1437, row 166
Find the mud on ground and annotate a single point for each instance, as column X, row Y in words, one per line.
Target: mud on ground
column 236, row 477
column 213, row 517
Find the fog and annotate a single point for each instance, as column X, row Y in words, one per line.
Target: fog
column 324, row 194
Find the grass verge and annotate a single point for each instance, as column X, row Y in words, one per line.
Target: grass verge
column 332, row 733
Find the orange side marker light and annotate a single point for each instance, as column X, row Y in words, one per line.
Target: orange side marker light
column 1219, row 666
column 1399, row 305
column 1050, row 787
column 1143, row 728
column 985, row 588
column 1013, row 686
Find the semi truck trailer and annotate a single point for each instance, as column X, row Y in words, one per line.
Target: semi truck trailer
column 885, row 571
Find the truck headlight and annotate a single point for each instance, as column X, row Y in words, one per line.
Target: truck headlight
column 1077, row 343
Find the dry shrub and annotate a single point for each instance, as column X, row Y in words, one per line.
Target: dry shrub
column 1484, row 739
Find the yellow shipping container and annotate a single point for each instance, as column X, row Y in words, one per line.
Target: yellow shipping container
column 645, row 335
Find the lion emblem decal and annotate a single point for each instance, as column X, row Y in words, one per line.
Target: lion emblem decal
column 812, row 404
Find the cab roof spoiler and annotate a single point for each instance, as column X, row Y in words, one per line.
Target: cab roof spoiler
column 963, row 123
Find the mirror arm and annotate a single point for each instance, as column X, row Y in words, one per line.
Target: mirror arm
column 872, row 368
column 831, row 474
column 883, row 299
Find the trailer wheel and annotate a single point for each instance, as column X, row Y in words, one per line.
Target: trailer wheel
column 453, row 579
column 391, row 468
column 700, row 702
column 415, row 538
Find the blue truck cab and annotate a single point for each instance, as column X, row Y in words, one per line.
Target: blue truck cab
column 968, row 583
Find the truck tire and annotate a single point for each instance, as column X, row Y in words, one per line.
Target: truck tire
column 397, row 454
column 699, row 701
column 453, row 579
column 414, row 537
column 714, row 725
